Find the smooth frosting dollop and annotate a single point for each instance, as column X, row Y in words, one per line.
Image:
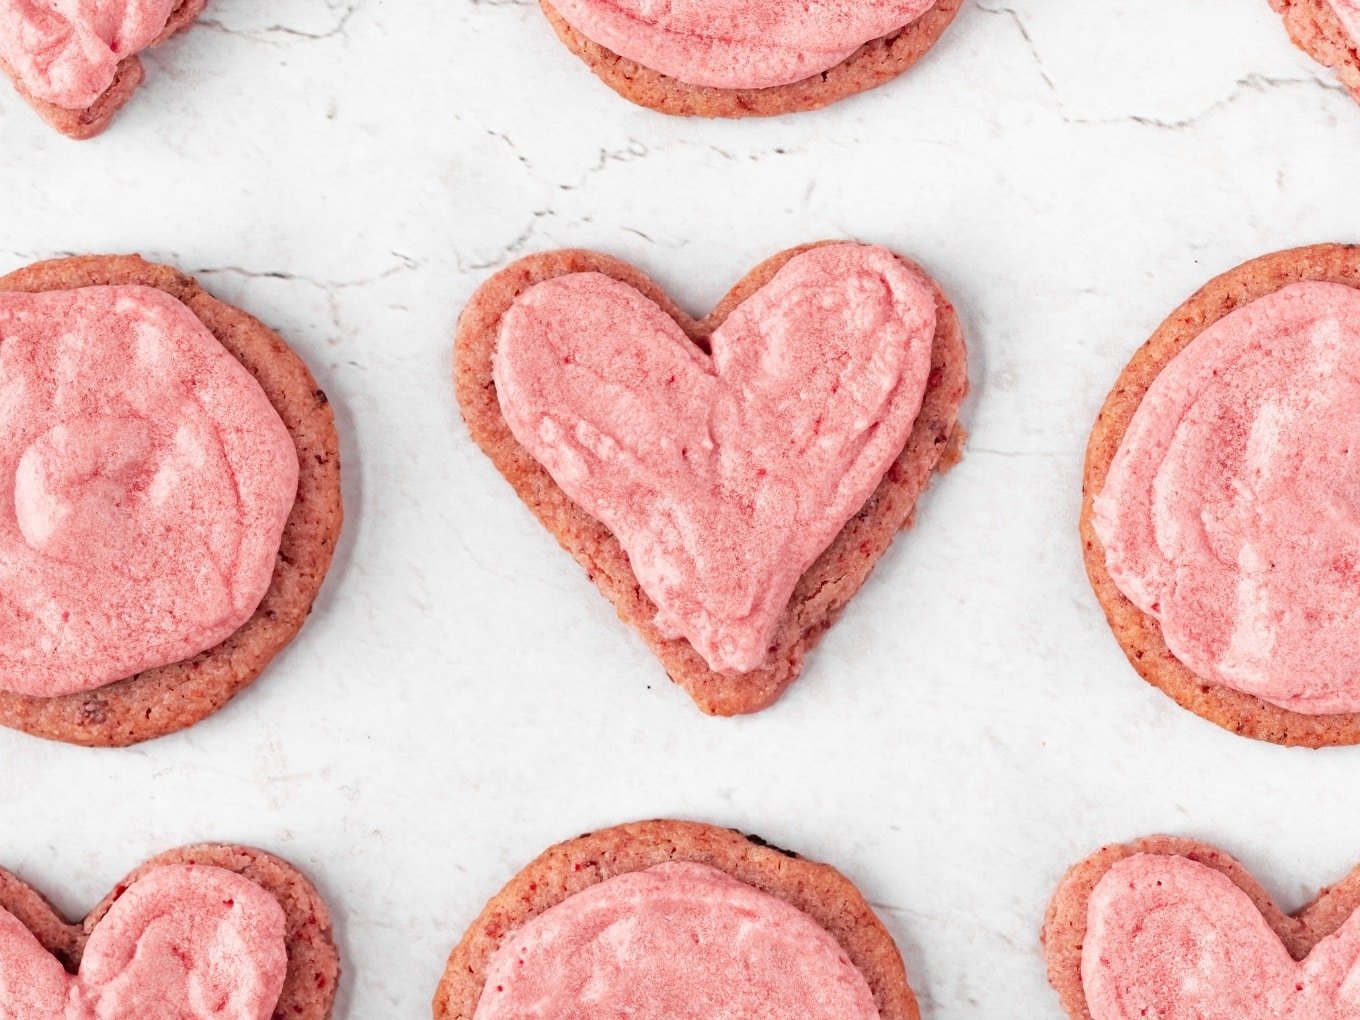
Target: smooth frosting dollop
column 184, row 942
column 1173, row 939
column 678, row 941
column 1232, row 508
column 725, row 476
column 145, row 480
column 1348, row 11
column 738, row 44
column 66, row 52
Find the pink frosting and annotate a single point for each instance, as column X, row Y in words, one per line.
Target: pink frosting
column 1175, row 940
column 144, row 484
column 738, row 44
column 67, row 51
column 678, row 940
column 722, row 477
column 1232, row 508
column 1349, row 13
column 184, row 942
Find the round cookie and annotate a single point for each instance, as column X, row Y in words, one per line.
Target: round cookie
column 160, row 701
column 313, row 960
column 91, row 121
column 935, row 444
column 1065, row 924
column 874, row 64
column 818, row 890
column 1139, row 634
column 1318, row 31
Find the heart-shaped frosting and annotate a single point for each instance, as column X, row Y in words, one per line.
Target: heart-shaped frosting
column 676, row 940
column 184, row 942
column 1231, row 512
column 724, row 475
column 738, row 44
column 145, row 481
column 66, row 52
column 1172, row 939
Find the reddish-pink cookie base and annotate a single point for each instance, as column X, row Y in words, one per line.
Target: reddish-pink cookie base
column 1064, row 930
column 313, row 961
column 161, row 701
column 830, row 583
column 1318, row 31
column 818, row 890
column 87, row 123
column 1138, row 634
column 872, row 65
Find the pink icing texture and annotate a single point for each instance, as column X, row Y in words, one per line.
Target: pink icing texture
column 1232, row 509
column 738, row 44
column 1172, row 939
column 144, row 484
column 680, row 941
column 1349, row 13
column 722, row 476
column 66, row 52
column 182, row 943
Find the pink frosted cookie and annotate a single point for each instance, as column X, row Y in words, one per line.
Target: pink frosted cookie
column 76, row 61
column 1329, row 32
column 675, row 919
column 169, row 499
column 1221, row 521
column 206, row 932
column 740, row 58
column 672, row 456
column 1178, row 930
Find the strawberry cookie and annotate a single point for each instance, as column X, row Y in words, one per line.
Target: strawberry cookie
column 1329, row 32
column 1221, row 504
column 728, row 483
column 201, row 933
column 169, row 499
column 676, row 919
column 747, row 58
column 76, row 61
column 1174, row 929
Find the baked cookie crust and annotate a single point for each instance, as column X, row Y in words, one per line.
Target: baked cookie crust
column 1316, row 29
column 1065, row 925
column 313, row 961
column 160, row 701
column 91, row 121
column 873, row 64
column 828, row 585
column 818, row 890
column 1138, row 634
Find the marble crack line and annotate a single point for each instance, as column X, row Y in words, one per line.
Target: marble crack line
column 270, row 33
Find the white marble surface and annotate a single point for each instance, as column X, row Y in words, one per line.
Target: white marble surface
column 350, row 170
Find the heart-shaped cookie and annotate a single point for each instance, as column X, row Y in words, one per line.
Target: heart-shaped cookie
column 76, row 61
column 644, row 852
column 1179, row 930
column 161, row 700
column 748, row 58
column 204, row 932
column 727, row 483
column 1329, row 32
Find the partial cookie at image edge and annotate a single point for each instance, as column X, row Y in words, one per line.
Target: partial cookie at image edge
column 1140, row 635
column 1317, row 30
column 874, row 64
column 160, row 701
column 818, row 890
